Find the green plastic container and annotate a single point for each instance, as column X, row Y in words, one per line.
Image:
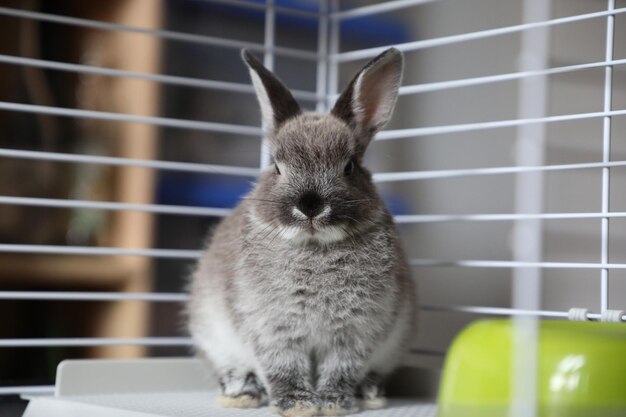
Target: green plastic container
column 582, row 370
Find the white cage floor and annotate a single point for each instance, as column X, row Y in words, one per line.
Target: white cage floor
column 187, row 404
column 159, row 388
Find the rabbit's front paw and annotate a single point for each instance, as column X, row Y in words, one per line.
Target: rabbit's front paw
column 335, row 404
column 238, row 401
column 297, row 404
column 374, row 403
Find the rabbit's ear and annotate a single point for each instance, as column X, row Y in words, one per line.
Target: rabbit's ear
column 368, row 101
column 277, row 103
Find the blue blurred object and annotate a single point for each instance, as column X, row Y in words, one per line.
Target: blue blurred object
column 182, row 189
column 201, row 190
column 396, row 203
column 376, row 30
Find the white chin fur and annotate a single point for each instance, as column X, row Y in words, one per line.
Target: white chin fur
column 327, row 234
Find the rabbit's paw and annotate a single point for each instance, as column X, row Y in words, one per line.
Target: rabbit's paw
column 338, row 405
column 374, row 403
column 300, row 404
column 239, row 401
column 371, row 389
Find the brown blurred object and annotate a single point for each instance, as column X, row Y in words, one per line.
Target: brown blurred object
column 42, row 178
column 22, row 177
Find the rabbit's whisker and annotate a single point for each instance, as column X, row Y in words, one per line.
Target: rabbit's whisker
column 358, row 201
column 262, row 199
column 273, row 229
column 279, row 232
column 263, row 230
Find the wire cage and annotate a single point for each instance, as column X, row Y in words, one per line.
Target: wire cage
column 503, row 164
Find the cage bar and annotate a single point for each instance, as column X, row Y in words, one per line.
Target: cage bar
column 100, row 251
column 474, row 81
column 164, row 34
column 606, row 156
column 453, row 173
column 93, row 296
column 268, row 61
column 118, row 161
column 95, row 341
column 116, row 206
column 468, row 127
column 464, row 37
column 475, row 263
column 159, row 78
column 321, row 80
column 333, row 49
column 220, row 212
column 132, row 118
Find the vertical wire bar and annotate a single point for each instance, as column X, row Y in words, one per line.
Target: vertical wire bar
column 270, row 29
column 333, row 64
column 606, row 157
column 529, row 151
column 528, row 234
column 322, row 52
column 268, row 61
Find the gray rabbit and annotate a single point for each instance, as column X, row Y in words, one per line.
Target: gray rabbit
column 304, row 294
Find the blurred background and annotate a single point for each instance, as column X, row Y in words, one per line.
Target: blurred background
column 36, row 38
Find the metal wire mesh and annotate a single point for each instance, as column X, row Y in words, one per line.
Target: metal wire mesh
column 328, row 59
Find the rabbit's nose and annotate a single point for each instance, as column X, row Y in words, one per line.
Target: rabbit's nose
column 310, row 204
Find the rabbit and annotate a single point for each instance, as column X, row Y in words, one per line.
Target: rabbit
column 304, row 297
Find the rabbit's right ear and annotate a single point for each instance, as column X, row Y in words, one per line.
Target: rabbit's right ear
column 277, row 103
column 368, row 101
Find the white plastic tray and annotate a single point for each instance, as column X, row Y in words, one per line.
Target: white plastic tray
column 157, row 387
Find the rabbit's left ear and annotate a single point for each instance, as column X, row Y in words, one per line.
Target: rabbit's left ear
column 277, row 103
column 368, row 101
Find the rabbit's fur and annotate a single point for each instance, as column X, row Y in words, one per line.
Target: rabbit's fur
column 304, row 294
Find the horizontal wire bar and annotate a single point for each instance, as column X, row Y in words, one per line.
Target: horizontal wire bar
column 305, row 95
column 96, row 341
column 384, row 7
column 464, row 37
column 497, row 311
column 110, row 205
column 254, row 172
column 505, row 311
column 436, row 218
column 121, row 117
column 142, row 163
column 262, row 6
column 165, row 79
column 27, row 389
column 468, row 127
column 445, row 85
column 512, row 264
column 183, row 297
column 92, row 296
column 164, row 34
column 190, row 254
column 100, row 251
column 451, row 173
column 257, row 131
column 220, row 212
column 186, row 341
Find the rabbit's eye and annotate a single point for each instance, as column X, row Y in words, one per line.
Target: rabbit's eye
column 349, row 169
column 276, row 169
